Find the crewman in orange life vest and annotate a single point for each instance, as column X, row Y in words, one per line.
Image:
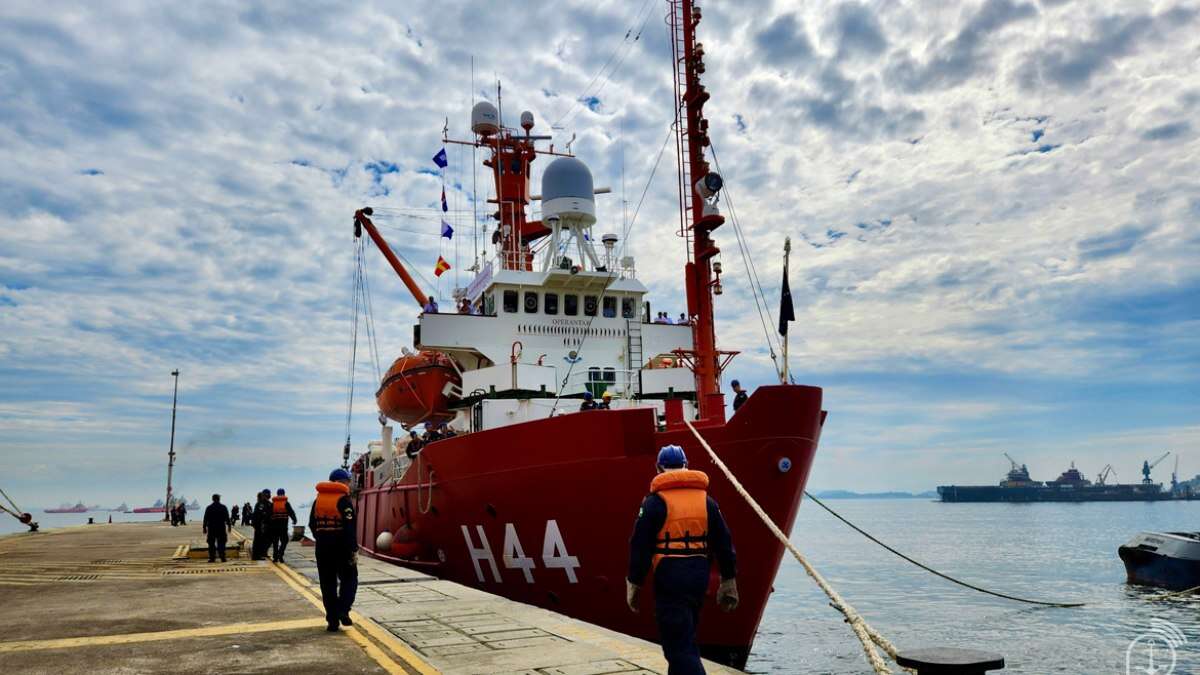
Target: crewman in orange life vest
column 678, row 531
column 332, row 523
column 281, row 510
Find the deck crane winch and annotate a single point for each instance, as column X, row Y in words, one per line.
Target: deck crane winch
column 1147, row 465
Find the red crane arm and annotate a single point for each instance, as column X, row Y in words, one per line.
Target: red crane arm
column 361, row 221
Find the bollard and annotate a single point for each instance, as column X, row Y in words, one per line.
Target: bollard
column 950, row 661
column 91, row 521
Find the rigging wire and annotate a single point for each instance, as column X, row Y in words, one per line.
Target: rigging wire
column 756, row 288
column 358, row 257
column 370, row 324
column 576, row 108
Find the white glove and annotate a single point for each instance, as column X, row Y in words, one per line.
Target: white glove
column 354, row 559
column 631, row 596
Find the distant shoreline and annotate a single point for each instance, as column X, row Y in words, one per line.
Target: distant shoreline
column 847, row 494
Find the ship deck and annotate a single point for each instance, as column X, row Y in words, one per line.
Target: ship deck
column 113, row 598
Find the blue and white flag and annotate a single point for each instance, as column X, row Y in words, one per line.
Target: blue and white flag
column 447, row 231
column 440, row 158
column 445, row 206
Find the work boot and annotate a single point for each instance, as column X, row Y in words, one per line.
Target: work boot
column 332, row 628
column 346, row 620
column 211, row 560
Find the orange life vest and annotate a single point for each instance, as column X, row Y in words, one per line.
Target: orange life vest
column 279, row 508
column 326, row 516
column 685, row 531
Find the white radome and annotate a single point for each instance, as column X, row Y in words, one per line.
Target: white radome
column 485, row 119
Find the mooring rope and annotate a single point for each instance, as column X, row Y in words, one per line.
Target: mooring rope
column 1173, row 594
column 929, row 569
column 866, row 635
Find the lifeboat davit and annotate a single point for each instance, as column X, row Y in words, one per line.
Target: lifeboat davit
column 414, row 389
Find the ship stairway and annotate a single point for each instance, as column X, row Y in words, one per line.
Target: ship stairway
column 636, row 359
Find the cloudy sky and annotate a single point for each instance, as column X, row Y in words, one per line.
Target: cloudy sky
column 995, row 207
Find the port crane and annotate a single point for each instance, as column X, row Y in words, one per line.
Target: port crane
column 1107, row 471
column 1147, row 465
column 1175, row 476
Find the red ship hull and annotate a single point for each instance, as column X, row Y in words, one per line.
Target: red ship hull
column 541, row 512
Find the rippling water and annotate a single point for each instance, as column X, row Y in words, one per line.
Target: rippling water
column 1058, row 552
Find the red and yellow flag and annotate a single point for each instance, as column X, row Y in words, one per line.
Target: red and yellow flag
column 440, row 267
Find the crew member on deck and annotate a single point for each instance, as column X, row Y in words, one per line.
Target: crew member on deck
column 281, row 510
column 605, row 401
column 261, row 520
column 246, row 513
column 332, row 523
column 678, row 530
column 589, row 402
column 217, row 526
column 740, row 395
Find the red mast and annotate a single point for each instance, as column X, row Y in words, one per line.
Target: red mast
column 696, row 225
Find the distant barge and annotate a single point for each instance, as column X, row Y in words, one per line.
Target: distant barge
column 1071, row 486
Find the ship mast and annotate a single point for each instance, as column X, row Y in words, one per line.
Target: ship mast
column 698, row 188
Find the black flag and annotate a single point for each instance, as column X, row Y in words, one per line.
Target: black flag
column 786, row 312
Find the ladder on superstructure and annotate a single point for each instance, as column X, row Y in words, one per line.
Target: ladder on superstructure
column 682, row 153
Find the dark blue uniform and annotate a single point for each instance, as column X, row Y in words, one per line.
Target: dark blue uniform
column 337, row 545
column 679, row 582
column 216, row 526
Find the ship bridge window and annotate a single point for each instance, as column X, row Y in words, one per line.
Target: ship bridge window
column 510, row 302
column 552, row 303
column 589, row 305
column 610, row 307
column 571, row 305
column 531, row 302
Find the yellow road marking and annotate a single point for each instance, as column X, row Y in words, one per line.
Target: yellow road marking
column 210, row 631
column 410, row 658
column 390, row 641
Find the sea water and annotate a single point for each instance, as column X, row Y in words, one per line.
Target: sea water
column 1054, row 552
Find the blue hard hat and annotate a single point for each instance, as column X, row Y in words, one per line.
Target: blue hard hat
column 587, row 395
column 339, row 474
column 672, row 457
column 735, row 383
column 279, row 492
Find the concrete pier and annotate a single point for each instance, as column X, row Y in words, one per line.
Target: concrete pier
column 117, row 599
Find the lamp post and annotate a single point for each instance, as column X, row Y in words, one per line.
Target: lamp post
column 171, row 453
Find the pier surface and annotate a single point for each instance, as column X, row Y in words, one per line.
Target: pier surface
column 114, row 599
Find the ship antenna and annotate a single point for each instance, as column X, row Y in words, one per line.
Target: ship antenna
column 474, row 178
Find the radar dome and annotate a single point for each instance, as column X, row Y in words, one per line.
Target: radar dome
column 526, row 120
column 567, row 190
column 485, row 120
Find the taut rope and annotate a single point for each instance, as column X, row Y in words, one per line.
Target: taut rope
column 866, row 635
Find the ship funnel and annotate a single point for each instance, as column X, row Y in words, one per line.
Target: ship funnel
column 485, row 119
column 568, row 192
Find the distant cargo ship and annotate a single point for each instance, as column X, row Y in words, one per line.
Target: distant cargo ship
column 78, row 508
column 1070, row 486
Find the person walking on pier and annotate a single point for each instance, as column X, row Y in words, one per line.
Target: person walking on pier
column 332, row 522
column 679, row 529
column 217, row 526
column 281, row 510
column 246, row 513
column 233, row 515
column 261, row 520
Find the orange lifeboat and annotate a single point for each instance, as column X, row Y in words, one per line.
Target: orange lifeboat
column 413, row 391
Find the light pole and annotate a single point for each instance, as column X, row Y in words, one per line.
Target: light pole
column 171, row 453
